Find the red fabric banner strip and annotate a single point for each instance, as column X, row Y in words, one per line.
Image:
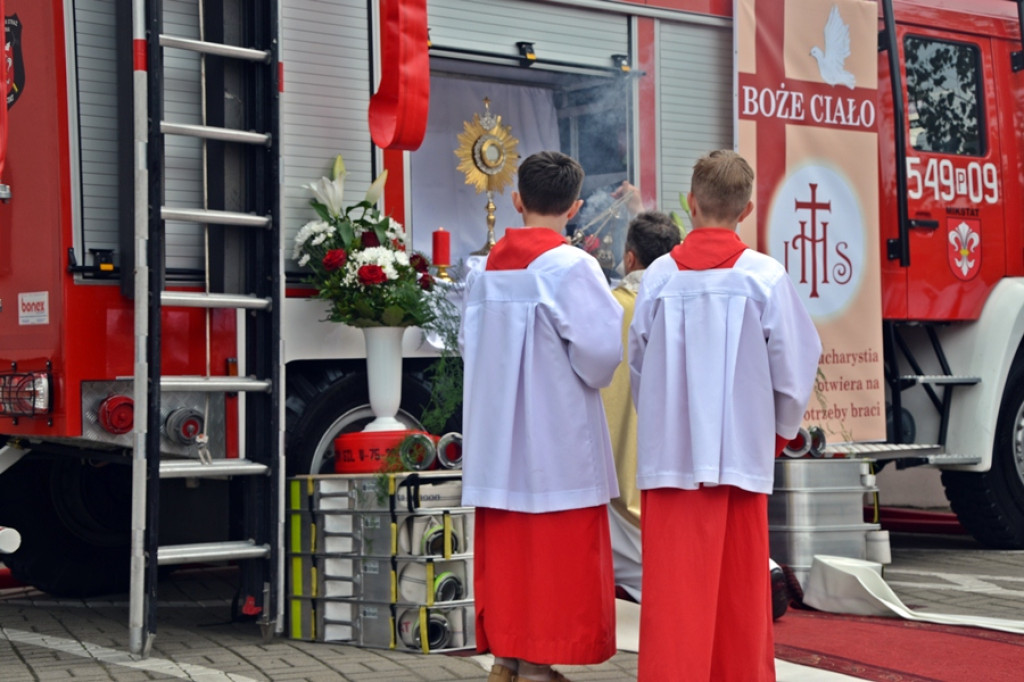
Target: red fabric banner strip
column 398, row 111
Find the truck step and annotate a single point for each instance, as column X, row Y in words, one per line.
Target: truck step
column 212, row 217
column 210, row 552
column 938, row 379
column 881, row 450
column 189, row 299
column 210, row 384
column 190, row 468
column 904, row 454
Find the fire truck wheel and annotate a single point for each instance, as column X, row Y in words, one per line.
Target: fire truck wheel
column 74, row 519
column 990, row 505
column 323, row 404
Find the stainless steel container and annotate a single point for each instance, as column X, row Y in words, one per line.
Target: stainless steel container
column 817, row 507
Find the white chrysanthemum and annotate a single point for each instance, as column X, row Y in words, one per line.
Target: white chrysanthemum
column 384, row 257
column 303, row 260
column 304, row 233
column 395, row 231
column 313, row 233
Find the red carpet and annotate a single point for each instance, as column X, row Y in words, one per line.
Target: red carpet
column 896, row 650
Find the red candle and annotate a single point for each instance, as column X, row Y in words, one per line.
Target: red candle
column 442, row 247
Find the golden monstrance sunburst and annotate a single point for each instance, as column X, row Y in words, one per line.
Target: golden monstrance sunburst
column 488, row 156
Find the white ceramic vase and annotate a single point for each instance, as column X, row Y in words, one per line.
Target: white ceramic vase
column 384, row 375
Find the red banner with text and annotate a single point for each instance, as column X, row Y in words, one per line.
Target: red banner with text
column 807, row 85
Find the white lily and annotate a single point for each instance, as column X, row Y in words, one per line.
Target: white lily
column 338, row 169
column 377, row 188
column 330, row 193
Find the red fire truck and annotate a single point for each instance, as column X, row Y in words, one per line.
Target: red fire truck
column 162, row 367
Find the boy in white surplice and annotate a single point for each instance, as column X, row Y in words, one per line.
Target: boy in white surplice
column 540, row 337
column 722, row 357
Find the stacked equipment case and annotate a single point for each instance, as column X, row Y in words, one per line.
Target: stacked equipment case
column 377, row 560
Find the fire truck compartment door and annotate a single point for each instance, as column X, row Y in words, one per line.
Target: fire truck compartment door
column 954, row 179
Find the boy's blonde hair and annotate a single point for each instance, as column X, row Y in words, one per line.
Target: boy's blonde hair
column 722, row 183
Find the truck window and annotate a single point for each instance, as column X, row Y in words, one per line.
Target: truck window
column 944, row 96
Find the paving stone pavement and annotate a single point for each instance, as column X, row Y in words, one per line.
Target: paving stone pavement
column 44, row 639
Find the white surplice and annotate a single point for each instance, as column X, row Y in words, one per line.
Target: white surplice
column 538, row 344
column 710, row 407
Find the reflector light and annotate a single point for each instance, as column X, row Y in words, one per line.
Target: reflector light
column 24, row 394
column 117, row 414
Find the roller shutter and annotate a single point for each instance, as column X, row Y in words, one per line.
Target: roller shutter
column 326, row 55
column 695, row 86
column 559, row 33
column 97, row 101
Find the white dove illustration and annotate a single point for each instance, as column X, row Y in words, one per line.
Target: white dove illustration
column 837, row 49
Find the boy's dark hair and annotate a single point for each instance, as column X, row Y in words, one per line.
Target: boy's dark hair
column 549, row 182
column 650, row 235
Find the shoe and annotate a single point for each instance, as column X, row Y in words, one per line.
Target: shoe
column 780, row 593
column 500, row 673
column 796, row 592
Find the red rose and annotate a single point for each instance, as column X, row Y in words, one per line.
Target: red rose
column 419, row 262
column 426, row 281
column 372, row 274
column 334, row 259
column 370, row 239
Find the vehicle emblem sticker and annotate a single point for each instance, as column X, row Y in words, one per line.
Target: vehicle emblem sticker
column 12, row 53
column 964, row 247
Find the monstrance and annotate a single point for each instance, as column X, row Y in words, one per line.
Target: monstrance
column 488, row 156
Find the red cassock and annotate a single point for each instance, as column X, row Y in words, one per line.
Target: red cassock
column 705, row 465
column 544, row 585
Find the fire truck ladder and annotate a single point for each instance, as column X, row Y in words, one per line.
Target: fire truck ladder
column 256, row 474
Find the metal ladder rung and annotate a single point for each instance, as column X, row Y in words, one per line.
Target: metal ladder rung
column 934, row 379
column 209, row 552
column 215, row 133
column 202, row 215
column 188, row 468
column 212, row 384
column 188, row 299
column 218, row 49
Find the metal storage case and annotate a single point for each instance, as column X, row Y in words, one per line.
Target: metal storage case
column 377, row 625
column 817, row 507
column 382, row 579
column 376, row 559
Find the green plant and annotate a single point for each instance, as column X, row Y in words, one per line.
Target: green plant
column 444, row 375
column 678, row 219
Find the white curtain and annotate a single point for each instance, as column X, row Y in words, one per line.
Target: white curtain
column 440, row 195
